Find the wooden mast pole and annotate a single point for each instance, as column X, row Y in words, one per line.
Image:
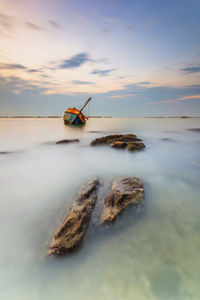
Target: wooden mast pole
column 82, row 108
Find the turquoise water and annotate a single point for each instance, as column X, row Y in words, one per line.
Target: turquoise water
column 153, row 256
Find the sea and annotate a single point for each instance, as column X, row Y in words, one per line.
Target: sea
column 152, row 255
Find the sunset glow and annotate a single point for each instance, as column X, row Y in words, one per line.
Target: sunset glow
column 116, row 50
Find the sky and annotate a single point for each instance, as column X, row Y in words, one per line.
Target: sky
column 135, row 58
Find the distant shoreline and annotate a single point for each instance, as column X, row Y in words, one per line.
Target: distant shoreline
column 90, row 117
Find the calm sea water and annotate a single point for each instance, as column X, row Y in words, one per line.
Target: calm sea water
column 154, row 256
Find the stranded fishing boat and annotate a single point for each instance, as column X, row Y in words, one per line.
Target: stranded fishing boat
column 74, row 116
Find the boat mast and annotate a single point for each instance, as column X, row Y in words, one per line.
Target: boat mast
column 86, row 103
column 82, row 108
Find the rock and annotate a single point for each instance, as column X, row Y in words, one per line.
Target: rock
column 67, row 141
column 105, row 139
column 126, row 141
column 194, row 129
column 128, row 138
column 124, row 191
column 135, row 146
column 120, row 145
column 167, row 140
column 70, row 234
column 8, row 152
column 99, row 131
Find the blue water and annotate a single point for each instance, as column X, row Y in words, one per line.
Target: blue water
column 153, row 256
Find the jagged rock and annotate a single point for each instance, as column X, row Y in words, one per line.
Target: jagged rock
column 126, row 141
column 128, row 138
column 70, row 234
column 105, row 139
column 135, row 146
column 124, row 191
column 67, row 141
column 120, row 145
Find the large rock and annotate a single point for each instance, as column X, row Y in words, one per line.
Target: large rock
column 135, row 146
column 124, row 191
column 69, row 235
column 121, row 141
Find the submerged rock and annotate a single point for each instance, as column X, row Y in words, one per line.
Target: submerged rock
column 167, row 140
column 4, row 152
column 194, row 129
column 70, row 233
column 8, row 152
column 121, row 141
column 124, row 191
column 68, row 141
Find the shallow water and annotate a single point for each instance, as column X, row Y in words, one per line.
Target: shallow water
column 151, row 256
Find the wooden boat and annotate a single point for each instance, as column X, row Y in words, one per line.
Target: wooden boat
column 74, row 116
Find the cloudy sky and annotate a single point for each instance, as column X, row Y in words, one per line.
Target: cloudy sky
column 134, row 57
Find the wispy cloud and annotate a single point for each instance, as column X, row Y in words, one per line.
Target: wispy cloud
column 79, row 82
column 33, row 26
column 16, row 66
column 144, row 83
column 163, row 101
column 106, row 30
column 122, row 95
column 6, row 24
column 129, row 28
column 191, row 70
column 102, row 72
column 190, row 97
column 33, row 70
column 140, row 84
column 74, row 61
column 5, row 20
column 16, row 85
column 54, row 24
column 4, row 66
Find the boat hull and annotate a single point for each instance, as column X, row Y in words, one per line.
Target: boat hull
column 69, row 119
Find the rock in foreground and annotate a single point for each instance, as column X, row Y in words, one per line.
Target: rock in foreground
column 127, row 141
column 69, row 235
column 67, row 141
column 124, row 191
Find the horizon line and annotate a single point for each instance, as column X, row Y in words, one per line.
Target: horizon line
column 54, row 117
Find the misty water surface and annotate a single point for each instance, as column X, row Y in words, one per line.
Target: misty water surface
column 154, row 256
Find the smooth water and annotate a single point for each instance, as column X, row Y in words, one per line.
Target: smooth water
column 155, row 256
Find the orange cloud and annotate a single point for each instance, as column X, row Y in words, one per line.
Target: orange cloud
column 178, row 99
column 190, row 97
